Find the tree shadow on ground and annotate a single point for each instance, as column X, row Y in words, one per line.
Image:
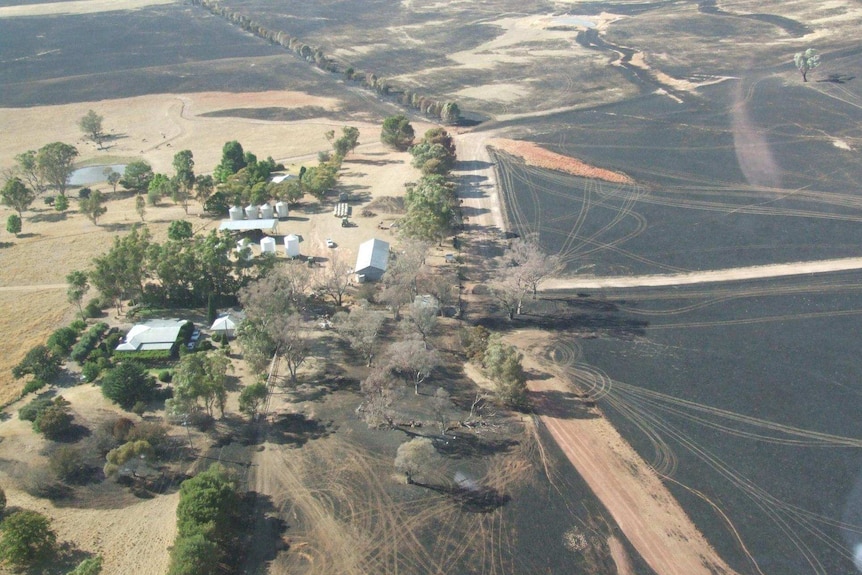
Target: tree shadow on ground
column 64, row 560
column 51, row 217
column 562, row 404
column 75, row 433
column 262, row 533
column 838, row 78
column 4, row 245
column 371, row 162
column 295, row 429
column 464, row 445
column 122, row 227
column 478, row 499
column 471, row 165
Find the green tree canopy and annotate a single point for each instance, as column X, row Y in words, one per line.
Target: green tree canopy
column 27, row 165
column 232, row 160
column 13, row 224
column 347, row 142
column 92, row 206
column 39, row 362
column 252, row 398
column 432, row 209
column 54, row 162
column 180, row 230
column 128, row 383
column 16, row 195
column 397, row 132
column 119, row 274
column 25, row 537
column 137, row 176
column 91, row 125
column 503, row 366
column 806, row 61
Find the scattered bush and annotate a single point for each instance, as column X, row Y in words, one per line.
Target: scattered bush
column 93, row 309
column 91, row 371
column 32, row 410
column 55, row 421
column 2, row 502
column 78, row 325
column 61, row 341
column 33, row 385
column 129, row 450
column 139, row 408
column 166, row 375
column 88, row 342
column 68, row 464
column 155, row 434
column 91, row 566
column 25, row 537
column 121, row 428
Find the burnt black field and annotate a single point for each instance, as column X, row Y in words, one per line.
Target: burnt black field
column 746, row 394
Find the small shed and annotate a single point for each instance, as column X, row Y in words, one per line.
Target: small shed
column 372, row 259
column 266, row 211
column 226, row 324
column 291, row 245
column 281, row 209
column 267, row 245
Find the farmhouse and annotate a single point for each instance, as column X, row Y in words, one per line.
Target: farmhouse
column 154, row 334
column 372, row 260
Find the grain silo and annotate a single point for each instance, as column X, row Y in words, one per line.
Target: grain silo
column 291, row 246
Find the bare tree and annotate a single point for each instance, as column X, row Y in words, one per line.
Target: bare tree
column 417, row 457
column 361, row 328
column 422, row 318
column 412, row 358
column 442, row 408
column 291, row 335
column 441, row 286
column 379, row 391
column 508, row 292
column 531, row 265
column 400, row 280
column 276, row 295
column 334, row 278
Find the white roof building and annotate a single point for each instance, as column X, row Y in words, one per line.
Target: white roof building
column 152, row 334
column 372, row 259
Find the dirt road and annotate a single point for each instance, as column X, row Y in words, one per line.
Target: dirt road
column 649, row 516
column 730, row 274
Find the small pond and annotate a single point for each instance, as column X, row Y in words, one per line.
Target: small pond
column 580, row 21
column 93, row 174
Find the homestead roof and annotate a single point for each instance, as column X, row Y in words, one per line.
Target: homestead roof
column 152, row 334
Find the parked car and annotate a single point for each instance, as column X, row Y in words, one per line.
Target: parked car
column 330, row 243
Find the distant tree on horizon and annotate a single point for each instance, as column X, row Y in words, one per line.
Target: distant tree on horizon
column 806, row 61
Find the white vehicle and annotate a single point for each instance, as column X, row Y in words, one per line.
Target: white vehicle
column 330, row 243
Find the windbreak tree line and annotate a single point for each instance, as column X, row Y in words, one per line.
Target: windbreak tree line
column 177, row 272
column 446, row 111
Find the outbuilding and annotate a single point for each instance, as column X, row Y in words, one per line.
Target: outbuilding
column 372, row 260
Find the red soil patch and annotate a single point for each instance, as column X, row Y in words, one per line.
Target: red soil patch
column 535, row 155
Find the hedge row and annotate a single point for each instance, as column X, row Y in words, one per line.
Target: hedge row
column 88, row 342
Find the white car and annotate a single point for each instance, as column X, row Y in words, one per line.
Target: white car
column 330, row 243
